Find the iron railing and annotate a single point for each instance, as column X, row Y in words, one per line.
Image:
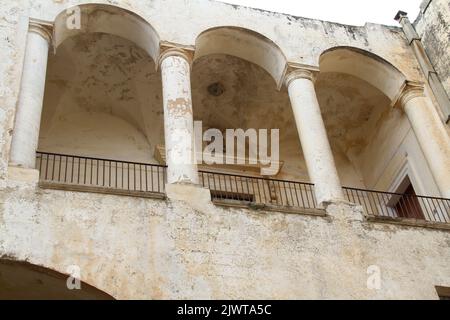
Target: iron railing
column 291, row 194
column 259, row 191
column 396, row 205
column 148, row 178
column 101, row 173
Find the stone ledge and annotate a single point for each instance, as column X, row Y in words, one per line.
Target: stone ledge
column 101, row 190
column 273, row 208
column 409, row 222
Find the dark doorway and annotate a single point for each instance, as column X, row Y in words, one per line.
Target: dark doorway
column 408, row 206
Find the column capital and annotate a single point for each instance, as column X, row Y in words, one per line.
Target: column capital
column 295, row 72
column 44, row 29
column 169, row 49
column 409, row 90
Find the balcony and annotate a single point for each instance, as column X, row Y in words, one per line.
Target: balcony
column 76, row 173
column 69, row 172
column 262, row 193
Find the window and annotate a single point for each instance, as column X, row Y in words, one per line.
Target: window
column 225, row 195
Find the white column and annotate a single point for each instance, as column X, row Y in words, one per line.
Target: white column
column 313, row 137
column 29, row 109
column 178, row 117
column 430, row 132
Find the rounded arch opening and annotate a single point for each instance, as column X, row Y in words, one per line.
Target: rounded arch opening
column 25, row 281
column 102, row 91
column 245, row 44
column 364, row 65
column 356, row 91
column 108, row 19
column 233, row 93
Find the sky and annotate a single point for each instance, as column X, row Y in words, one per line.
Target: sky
column 353, row 12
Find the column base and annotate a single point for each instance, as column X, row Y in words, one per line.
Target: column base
column 187, row 192
column 25, row 175
column 345, row 211
column 197, row 197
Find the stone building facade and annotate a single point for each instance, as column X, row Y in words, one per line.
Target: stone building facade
column 97, row 108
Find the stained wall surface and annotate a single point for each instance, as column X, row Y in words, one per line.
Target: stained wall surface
column 104, row 99
column 433, row 26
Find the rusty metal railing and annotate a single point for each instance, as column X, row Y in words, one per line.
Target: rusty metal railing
column 397, row 205
column 62, row 169
column 259, row 191
column 101, row 173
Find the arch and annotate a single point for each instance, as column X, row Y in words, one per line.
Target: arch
column 102, row 18
column 366, row 66
column 25, row 281
column 245, row 44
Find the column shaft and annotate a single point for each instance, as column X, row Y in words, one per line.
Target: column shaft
column 314, row 140
column 178, row 120
column 433, row 139
column 28, row 116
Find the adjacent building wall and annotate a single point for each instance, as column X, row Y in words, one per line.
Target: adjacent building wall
column 433, row 26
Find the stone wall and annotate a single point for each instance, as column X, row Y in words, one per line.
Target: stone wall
column 433, row 26
column 156, row 249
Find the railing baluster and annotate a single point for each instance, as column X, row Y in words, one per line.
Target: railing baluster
column 59, row 168
column 379, row 207
column 259, row 191
column 276, row 186
column 158, row 174
column 439, row 211
column 39, row 157
column 307, row 191
column 134, row 176
column 238, row 196
column 146, row 180
column 79, row 166
column 46, row 167
column 85, row 169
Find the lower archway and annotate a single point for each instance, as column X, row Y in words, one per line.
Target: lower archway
column 25, row 281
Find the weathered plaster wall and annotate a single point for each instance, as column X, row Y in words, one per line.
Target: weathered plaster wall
column 142, row 248
column 96, row 135
column 433, row 26
column 152, row 249
column 302, row 40
column 13, row 26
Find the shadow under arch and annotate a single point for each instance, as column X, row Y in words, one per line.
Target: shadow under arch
column 21, row 280
column 245, row 44
column 364, row 65
column 109, row 19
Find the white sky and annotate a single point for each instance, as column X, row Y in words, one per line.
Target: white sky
column 353, row 12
